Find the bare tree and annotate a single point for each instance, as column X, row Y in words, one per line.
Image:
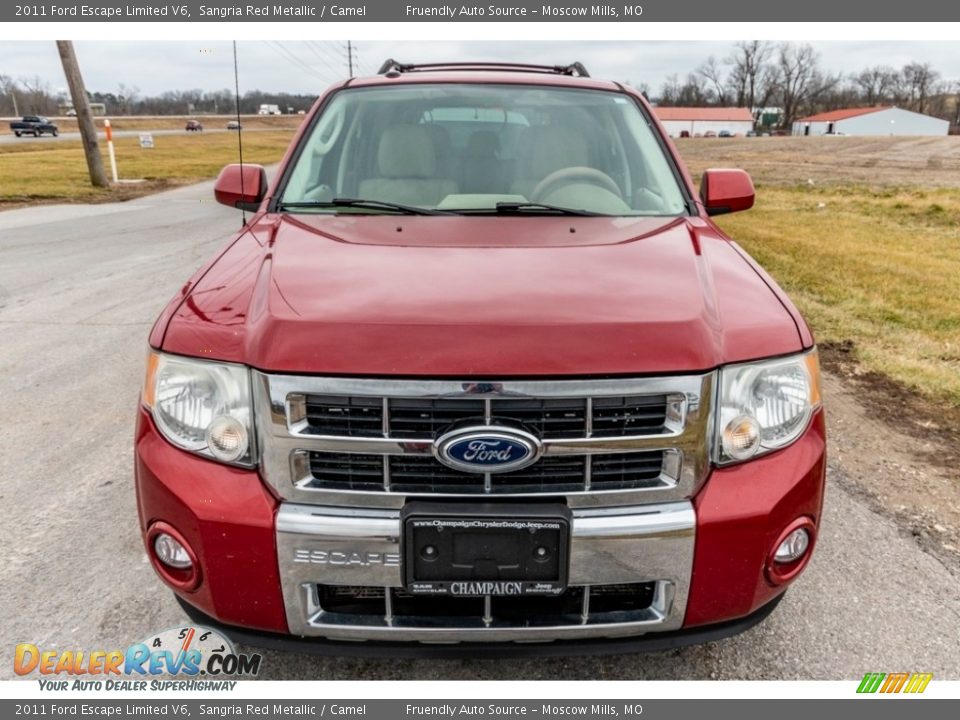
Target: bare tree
column 876, row 84
column 8, row 94
column 920, row 80
column 127, row 96
column 36, row 96
column 670, row 91
column 713, row 73
column 750, row 74
column 800, row 82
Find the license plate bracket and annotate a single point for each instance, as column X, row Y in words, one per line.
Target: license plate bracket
column 479, row 549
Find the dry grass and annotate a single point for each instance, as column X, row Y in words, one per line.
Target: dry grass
column 876, row 264
column 57, row 171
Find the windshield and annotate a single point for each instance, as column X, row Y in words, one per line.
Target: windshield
column 482, row 149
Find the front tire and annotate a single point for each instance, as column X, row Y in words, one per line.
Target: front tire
column 17, row 133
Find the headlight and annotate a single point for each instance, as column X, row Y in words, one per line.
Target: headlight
column 201, row 406
column 765, row 405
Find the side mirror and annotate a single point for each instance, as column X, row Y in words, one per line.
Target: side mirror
column 241, row 186
column 726, row 191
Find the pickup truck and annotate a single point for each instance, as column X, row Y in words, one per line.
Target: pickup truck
column 34, row 125
column 480, row 375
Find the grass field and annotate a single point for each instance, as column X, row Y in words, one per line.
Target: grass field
column 57, row 171
column 864, row 234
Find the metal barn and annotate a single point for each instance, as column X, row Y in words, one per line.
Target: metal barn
column 870, row 121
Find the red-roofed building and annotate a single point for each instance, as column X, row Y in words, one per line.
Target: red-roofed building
column 700, row 120
column 870, row 121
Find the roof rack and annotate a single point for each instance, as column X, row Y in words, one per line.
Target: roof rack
column 391, row 66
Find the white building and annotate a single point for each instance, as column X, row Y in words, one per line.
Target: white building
column 694, row 121
column 870, row 121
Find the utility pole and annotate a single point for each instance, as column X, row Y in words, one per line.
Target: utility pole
column 88, row 132
column 350, row 57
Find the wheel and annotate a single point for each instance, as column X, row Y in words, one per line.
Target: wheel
column 17, row 133
column 37, row 133
column 55, row 133
column 567, row 176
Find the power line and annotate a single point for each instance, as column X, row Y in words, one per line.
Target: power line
column 334, row 49
column 320, row 57
column 292, row 58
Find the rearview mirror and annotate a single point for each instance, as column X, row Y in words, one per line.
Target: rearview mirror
column 726, row 191
column 241, row 186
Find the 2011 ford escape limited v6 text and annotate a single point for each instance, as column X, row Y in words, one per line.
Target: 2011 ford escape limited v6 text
column 480, row 374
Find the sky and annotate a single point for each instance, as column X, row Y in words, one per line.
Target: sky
column 308, row 67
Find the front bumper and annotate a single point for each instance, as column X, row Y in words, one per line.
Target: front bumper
column 650, row 642
column 609, row 546
column 260, row 560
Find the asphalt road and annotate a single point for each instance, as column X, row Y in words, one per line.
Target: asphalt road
column 79, row 289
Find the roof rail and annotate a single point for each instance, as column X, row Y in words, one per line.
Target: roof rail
column 575, row 69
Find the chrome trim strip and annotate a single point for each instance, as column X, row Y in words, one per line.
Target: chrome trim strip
column 282, row 431
column 508, row 389
column 344, row 546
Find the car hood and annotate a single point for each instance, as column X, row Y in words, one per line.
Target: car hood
column 481, row 296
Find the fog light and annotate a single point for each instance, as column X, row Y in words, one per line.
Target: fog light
column 171, row 553
column 227, row 438
column 741, row 437
column 793, row 546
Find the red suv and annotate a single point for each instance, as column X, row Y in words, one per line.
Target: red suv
column 480, row 375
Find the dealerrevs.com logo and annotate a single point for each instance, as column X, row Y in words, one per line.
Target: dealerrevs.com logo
column 182, row 652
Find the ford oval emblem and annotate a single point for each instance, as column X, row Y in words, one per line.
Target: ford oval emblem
column 487, row 449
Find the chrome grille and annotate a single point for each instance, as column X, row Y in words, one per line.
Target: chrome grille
column 418, row 474
column 369, row 442
column 349, row 416
column 427, row 418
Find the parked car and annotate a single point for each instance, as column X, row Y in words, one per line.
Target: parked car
column 233, row 125
column 71, row 113
column 727, row 134
column 34, row 125
column 710, row 134
column 193, row 126
column 684, row 133
column 466, row 377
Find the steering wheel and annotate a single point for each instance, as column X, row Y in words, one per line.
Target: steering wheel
column 569, row 175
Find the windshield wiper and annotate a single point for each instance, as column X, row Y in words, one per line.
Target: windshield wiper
column 360, row 203
column 520, row 207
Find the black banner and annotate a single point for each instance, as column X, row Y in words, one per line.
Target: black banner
column 504, row 11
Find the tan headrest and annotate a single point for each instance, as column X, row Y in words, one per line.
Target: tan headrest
column 406, row 151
